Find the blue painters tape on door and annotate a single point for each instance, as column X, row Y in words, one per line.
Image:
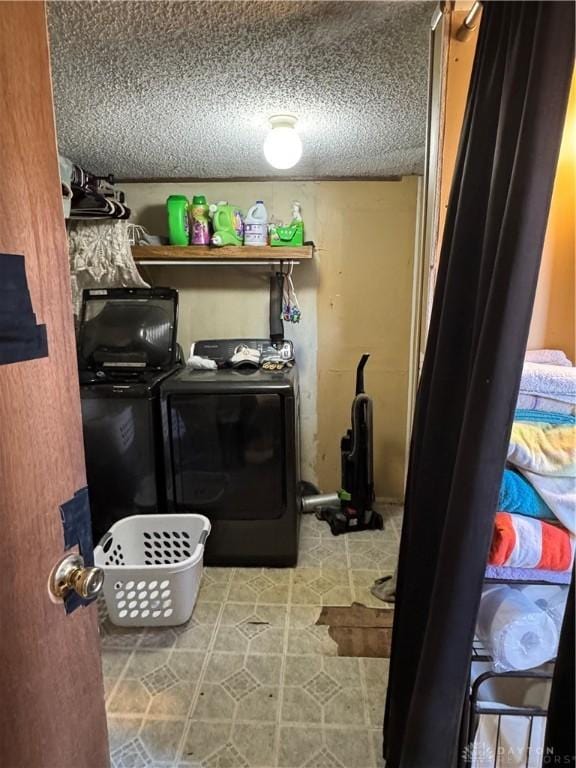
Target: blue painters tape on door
column 77, row 524
column 21, row 338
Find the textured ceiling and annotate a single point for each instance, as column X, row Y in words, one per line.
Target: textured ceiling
column 184, row 89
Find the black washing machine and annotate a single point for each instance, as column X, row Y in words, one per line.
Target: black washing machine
column 126, row 348
column 232, row 454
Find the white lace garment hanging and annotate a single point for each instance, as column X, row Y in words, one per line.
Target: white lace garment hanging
column 100, row 257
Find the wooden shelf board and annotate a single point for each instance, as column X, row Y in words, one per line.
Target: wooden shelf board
column 238, row 253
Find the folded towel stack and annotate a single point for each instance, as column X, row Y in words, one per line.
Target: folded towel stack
column 540, row 480
column 533, row 538
column 548, row 382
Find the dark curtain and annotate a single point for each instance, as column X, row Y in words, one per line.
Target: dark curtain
column 560, row 737
column 488, row 270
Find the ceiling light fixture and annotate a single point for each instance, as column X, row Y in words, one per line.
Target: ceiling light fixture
column 282, row 145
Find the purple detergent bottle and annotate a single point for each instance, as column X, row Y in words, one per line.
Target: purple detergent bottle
column 199, row 221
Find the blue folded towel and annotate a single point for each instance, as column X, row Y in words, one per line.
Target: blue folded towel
column 546, row 417
column 520, row 498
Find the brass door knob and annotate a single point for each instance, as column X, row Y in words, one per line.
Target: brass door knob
column 71, row 575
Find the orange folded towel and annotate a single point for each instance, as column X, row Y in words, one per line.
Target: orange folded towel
column 523, row 542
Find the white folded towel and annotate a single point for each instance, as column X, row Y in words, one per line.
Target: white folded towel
column 198, row 363
column 559, row 493
column 553, row 381
column 548, row 404
column 548, row 356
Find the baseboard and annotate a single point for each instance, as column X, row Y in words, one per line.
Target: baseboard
column 389, row 500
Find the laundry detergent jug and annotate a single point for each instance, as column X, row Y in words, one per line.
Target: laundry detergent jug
column 227, row 224
column 199, row 221
column 256, row 225
column 177, row 208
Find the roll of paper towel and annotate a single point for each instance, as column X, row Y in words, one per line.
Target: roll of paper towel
column 551, row 598
column 517, row 633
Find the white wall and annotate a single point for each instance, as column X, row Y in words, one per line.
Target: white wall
column 554, row 314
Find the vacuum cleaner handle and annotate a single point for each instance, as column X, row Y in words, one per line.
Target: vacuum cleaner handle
column 360, row 374
column 276, row 324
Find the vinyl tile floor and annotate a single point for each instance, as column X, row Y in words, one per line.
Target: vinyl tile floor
column 251, row 681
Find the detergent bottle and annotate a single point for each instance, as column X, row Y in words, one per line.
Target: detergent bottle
column 178, row 230
column 256, row 225
column 227, row 223
column 200, row 221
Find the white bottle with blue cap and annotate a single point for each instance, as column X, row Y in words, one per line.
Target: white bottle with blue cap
column 256, row 225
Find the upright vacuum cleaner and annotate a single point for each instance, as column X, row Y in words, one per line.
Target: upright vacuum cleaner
column 351, row 509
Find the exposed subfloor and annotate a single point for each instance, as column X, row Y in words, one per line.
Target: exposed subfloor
column 251, row 681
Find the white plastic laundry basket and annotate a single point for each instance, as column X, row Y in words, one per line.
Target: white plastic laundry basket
column 152, row 567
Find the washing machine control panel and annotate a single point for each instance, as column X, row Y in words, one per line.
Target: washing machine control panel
column 222, row 350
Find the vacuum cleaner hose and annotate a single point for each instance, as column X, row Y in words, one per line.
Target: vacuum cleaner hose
column 310, row 503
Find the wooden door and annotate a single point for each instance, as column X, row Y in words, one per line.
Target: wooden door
column 51, row 694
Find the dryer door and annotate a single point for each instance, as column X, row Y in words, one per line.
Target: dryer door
column 228, row 456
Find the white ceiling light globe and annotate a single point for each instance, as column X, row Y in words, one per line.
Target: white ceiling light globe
column 282, row 145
